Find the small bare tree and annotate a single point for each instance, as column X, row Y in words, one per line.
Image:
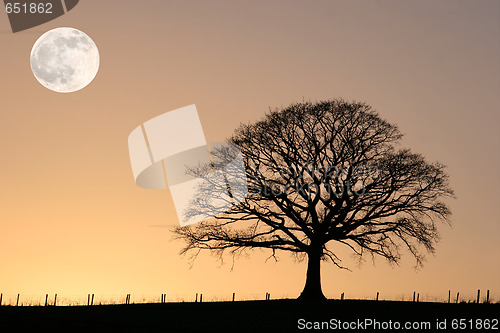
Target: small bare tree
column 323, row 173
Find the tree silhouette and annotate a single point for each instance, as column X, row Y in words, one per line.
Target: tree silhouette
column 324, row 173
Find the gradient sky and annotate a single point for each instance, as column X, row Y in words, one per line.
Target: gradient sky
column 72, row 220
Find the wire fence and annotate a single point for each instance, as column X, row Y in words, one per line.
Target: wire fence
column 450, row 296
column 477, row 296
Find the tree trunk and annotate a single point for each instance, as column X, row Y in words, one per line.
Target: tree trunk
column 312, row 289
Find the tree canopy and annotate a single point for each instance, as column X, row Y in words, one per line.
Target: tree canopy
column 323, row 173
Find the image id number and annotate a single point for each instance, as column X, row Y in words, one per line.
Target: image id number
column 28, row 8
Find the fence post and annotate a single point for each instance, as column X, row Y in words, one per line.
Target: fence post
column 458, row 293
column 92, row 301
column 201, row 298
column 55, row 299
column 449, row 296
column 342, row 296
column 418, row 297
column 413, row 296
column 233, row 297
column 487, row 297
column 1, row 296
column 478, row 294
column 46, row 299
column 377, row 296
column 88, row 299
column 17, row 303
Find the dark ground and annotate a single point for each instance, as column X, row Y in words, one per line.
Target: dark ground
column 244, row 316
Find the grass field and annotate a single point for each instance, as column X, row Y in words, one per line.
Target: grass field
column 242, row 316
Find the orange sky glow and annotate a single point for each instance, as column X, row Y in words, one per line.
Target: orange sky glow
column 73, row 222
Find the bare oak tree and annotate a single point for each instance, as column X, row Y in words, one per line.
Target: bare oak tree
column 324, row 173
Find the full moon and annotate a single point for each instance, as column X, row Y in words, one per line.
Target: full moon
column 64, row 60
